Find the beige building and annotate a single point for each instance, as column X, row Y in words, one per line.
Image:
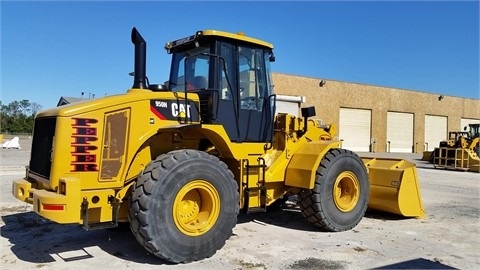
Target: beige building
column 382, row 119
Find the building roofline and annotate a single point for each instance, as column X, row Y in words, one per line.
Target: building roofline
column 373, row 85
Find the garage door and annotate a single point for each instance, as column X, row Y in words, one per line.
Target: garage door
column 435, row 131
column 354, row 129
column 288, row 104
column 465, row 121
column 400, row 132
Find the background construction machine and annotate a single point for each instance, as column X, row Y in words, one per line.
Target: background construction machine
column 180, row 160
column 460, row 151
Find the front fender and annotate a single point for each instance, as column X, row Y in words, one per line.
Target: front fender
column 301, row 169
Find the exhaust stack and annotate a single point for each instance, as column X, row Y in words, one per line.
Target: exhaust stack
column 140, row 60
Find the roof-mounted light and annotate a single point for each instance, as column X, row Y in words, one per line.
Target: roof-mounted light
column 178, row 42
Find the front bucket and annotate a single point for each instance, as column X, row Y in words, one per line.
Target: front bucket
column 394, row 187
column 427, row 155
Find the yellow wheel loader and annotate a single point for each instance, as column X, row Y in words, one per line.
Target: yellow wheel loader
column 179, row 161
column 464, row 139
column 460, row 152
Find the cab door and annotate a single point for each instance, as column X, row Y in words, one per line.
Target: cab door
column 255, row 105
column 246, row 101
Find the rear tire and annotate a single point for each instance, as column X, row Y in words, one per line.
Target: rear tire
column 339, row 198
column 184, row 206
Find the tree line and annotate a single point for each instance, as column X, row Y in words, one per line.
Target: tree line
column 18, row 116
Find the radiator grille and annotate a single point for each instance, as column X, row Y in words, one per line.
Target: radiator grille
column 40, row 157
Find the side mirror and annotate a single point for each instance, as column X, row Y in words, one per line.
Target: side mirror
column 308, row 112
column 271, row 58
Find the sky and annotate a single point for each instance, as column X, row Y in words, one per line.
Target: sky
column 63, row 48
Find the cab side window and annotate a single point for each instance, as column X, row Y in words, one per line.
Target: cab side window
column 252, row 78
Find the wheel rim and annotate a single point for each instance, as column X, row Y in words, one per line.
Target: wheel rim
column 196, row 208
column 346, row 191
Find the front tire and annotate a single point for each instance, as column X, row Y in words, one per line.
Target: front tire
column 184, row 206
column 339, row 198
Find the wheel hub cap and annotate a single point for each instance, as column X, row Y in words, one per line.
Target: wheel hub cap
column 196, row 208
column 346, row 191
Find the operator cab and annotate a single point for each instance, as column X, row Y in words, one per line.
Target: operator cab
column 474, row 130
column 231, row 75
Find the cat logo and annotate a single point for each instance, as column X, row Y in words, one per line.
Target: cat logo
column 180, row 110
column 174, row 110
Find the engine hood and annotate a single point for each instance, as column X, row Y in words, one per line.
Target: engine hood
column 131, row 96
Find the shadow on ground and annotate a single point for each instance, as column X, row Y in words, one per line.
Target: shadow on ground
column 286, row 216
column 36, row 240
column 419, row 263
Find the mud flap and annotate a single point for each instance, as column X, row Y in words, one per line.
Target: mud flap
column 394, row 187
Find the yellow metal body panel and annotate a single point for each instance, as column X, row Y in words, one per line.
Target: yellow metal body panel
column 303, row 166
column 70, row 201
column 21, row 190
column 394, row 187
